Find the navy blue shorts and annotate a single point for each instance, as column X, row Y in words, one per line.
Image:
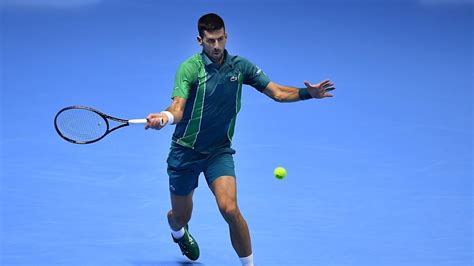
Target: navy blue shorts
column 185, row 165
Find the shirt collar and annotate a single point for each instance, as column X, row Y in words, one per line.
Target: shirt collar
column 227, row 59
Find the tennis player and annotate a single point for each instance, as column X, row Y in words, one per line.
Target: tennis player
column 206, row 100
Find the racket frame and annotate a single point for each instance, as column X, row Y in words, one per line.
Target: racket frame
column 104, row 116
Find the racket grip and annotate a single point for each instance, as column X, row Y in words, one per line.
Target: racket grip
column 137, row 121
column 143, row 121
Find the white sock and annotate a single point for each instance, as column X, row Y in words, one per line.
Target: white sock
column 178, row 234
column 247, row 261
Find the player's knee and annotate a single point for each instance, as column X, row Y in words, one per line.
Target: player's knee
column 230, row 211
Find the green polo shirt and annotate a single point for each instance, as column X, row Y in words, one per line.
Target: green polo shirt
column 213, row 94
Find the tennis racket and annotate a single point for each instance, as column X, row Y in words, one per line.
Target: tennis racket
column 85, row 125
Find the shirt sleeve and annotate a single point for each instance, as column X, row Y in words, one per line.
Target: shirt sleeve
column 254, row 76
column 185, row 77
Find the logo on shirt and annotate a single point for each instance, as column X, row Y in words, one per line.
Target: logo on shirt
column 233, row 78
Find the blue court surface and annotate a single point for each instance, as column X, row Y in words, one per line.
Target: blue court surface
column 379, row 175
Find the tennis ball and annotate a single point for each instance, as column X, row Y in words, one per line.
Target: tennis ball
column 279, row 172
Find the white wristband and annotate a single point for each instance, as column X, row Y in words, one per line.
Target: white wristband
column 170, row 117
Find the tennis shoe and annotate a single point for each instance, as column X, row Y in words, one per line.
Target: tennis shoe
column 188, row 245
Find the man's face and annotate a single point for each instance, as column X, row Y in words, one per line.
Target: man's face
column 213, row 44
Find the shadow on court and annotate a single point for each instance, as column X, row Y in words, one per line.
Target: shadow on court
column 162, row 263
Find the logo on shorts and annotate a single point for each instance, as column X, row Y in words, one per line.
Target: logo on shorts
column 233, row 78
column 172, row 188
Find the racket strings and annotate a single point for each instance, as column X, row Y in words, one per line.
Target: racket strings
column 81, row 125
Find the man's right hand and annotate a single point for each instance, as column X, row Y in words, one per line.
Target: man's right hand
column 156, row 121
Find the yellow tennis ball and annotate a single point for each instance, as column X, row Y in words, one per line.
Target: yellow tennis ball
column 279, row 172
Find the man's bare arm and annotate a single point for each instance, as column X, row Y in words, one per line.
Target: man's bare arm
column 281, row 93
column 159, row 120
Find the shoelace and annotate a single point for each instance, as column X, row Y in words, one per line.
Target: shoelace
column 184, row 246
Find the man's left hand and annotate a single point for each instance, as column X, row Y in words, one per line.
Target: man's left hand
column 321, row 89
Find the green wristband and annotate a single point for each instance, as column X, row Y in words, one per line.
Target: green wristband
column 304, row 94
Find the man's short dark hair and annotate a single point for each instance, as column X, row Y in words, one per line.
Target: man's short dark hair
column 210, row 22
